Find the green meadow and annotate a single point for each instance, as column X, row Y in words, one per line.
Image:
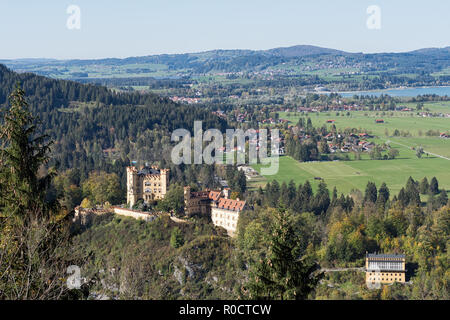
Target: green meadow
column 406, row 121
column 354, row 174
column 348, row 175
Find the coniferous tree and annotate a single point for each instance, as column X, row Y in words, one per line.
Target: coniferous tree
column 322, row 199
column 291, row 192
column 371, row 192
column 442, row 199
column 383, row 196
column 434, row 186
column 424, row 186
column 34, row 237
column 412, row 192
column 403, row 197
column 284, row 274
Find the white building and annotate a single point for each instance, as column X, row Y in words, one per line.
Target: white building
column 225, row 213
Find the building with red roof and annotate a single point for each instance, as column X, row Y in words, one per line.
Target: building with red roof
column 224, row 212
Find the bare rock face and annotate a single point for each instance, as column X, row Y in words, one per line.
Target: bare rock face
column 178, row 275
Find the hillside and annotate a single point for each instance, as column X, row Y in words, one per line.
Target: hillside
column 303, row 51
column 303, row 58
column 95, row 128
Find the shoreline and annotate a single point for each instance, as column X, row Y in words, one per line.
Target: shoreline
column 381, row 90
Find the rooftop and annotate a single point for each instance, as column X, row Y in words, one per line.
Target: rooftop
column 385, row 256
column 148, row 170
column 228, row 204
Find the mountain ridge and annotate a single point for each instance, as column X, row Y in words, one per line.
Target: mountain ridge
column 288, row 51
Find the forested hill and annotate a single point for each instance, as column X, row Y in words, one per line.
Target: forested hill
column 300, row 59
column 50, row 97
column 96, row 128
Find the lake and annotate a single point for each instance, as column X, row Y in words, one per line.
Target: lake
column 402, row 92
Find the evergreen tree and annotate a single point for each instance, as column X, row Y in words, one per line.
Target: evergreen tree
column 274, row 194
column 442, row 199
column 307, row 191
column 424, row 186
column 322, row 199
column 412, row 192
column 283, row 274
column 334, row 198
column 383, row 195
column 284, row 195
column 291, row 192
column 403, row 197
column 434, row 186
column 33, row 232
column 371, row 192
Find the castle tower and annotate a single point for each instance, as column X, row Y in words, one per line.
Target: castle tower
column 187, row 193
column 164, row 181
column 132, row 186
column 226, row 193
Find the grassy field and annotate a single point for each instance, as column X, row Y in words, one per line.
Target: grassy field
column 354, row 174
column 405, row 121
column 402, row 121
column 348, row 175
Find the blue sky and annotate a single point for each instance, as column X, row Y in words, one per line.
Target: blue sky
column 119, row 28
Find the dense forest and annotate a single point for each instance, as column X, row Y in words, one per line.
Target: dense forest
column 94, row 128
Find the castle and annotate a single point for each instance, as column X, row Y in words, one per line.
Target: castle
column 224, row 212
column 148, row 183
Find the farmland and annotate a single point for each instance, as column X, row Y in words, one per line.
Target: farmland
column 354, row 174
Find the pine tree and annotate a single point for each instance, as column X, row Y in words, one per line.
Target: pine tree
column 283, row 274
column 412, row 192
column 383, row 196
column 442, row 199
column 371, row 192
column 424, row 186
column 322, row 199
column 33, row 232
column 434, row 186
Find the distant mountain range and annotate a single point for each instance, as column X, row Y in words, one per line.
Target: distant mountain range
column 295, row 60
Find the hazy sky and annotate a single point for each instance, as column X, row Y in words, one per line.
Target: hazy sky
column 119, row 28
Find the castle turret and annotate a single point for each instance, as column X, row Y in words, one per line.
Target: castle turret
column 164, row 181
column 132, row 186
column 226, row 193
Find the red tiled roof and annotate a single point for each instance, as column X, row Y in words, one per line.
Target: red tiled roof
column 214, row 195
column 228, row 204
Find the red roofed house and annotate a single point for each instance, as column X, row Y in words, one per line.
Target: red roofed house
column 225, row 214
column 379, row 121
column 223, row 210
